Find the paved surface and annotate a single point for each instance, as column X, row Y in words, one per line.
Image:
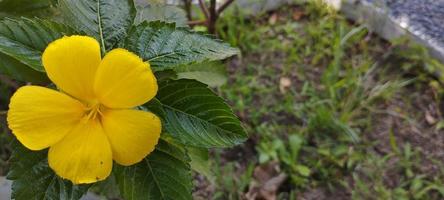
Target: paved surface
column 422, row 17
column 423, row 20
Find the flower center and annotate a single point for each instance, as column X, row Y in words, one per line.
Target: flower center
column 93, row 112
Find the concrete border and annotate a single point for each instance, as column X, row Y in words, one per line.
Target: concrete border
column 379, row 20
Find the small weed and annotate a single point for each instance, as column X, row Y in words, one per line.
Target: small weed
column 323, row 125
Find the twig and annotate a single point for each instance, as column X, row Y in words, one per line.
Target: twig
column 213, row 17
column 224, row 6
column 204, row 9
column 211, row 14
column 187, row 5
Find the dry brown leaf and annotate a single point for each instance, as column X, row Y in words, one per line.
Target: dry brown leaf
column 273, row 19
column 297, row 14
column 267, row 180
column 284, row 84
column 429, row 118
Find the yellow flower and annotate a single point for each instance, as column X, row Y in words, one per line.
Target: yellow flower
column 91, row 121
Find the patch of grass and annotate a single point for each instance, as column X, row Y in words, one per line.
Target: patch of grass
column 395, row 176
column 325, row 98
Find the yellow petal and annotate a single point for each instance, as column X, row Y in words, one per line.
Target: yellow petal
column 71, row 63
column 40, row 117
column 83, row 156
column 133, row 134
column 124, row 81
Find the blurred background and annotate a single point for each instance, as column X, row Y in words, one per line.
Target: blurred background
column 342, row 100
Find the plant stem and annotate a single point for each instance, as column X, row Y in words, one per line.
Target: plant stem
column 187, row 5
column 224, row 6
column 204, row 9
column 213, row 17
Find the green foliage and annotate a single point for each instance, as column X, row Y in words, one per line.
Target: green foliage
column 107, row 21
column 196, row 116
column 199, row 119
column 200, row 162
column 19, row 71
column 211, row 73
column 164, row 174
column 165, row 46
column 25, row 7
column 345, row 84
column 412, row 185
column 166, row 13
column 25, row 39
column 33, row 179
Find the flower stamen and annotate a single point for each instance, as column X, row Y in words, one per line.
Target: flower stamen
column 93, row 112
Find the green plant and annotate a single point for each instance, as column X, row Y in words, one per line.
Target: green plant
column 339, row 81
column 192, row 115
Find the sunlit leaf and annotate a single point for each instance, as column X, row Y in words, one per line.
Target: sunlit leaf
column 159, row 12
column 164, row 46
column 106, row 20
column 210, row 73
column 196, row 116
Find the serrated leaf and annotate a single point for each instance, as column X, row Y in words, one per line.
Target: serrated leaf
column 34, row 180
column 20, row 6
column 28, row 8
column 106, row 20
column 164, row 46
column 19, row 71
column 25, row 39
column 196, row 116
column 162, row 175
column 210, row 73
column 161, row 12
column 142, row 3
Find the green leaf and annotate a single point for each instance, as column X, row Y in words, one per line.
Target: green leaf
column 303, row 170
column 160, row 12
column 20, row 6
column 196, row 116
column 162, row 175
column 165, row 47
column 106, row 189
column 154, row 106
column 34, row 180
column 106, row 20
column 200, row 162
column 19, row 71
column 26, row 39
column 210, row 73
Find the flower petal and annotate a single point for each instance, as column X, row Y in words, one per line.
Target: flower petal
column 84, row 155
column 71, row 63
column 133, row 134
column 40, row 117
column 124, row 81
